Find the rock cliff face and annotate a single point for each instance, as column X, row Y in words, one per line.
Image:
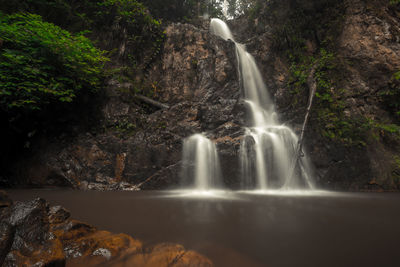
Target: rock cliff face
column 140, row 146
column 370, row 40
column 363, row 36
column 35, row 234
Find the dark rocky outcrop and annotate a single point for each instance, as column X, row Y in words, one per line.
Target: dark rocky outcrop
column 35, row 234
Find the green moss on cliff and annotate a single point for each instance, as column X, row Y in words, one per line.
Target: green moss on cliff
column 308, row 35
column 329, row 105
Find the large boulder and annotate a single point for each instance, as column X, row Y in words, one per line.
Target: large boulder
column 35, row 234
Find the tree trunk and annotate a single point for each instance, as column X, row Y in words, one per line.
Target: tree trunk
column 312, row 85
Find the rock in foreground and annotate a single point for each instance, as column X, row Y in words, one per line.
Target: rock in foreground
column 35, row 234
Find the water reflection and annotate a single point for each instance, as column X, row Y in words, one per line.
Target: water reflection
column 284, row 192
column 248, row 228
column 243, row 194
column 202, row 194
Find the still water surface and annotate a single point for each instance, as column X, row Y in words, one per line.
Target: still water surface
column 243, row 229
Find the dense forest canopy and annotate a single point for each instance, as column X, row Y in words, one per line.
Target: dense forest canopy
column 96, row 19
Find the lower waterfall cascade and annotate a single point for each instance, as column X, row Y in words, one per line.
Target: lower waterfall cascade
column 267, row 150
column 200, row 160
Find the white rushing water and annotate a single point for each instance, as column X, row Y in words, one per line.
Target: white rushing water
column 268, row 149
column 225, row 5
column 200, row 160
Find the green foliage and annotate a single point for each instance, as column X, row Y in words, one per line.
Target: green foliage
column 383, row 131
column 299, row 71
column 394, row 2
column 391, row 96
column 305, row 27
column 396, row 76
column 125, row 127
column 386, row 128
column 40, row 63
column 70, row 15
column 108, row 23
column 328, row 106
column 125, row 28
column 136, row 28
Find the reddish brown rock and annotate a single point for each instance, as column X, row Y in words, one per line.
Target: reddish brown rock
column 34, row 234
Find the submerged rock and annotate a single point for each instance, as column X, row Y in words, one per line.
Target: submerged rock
column 35, row 234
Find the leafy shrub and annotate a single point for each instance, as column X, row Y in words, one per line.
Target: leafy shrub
column 129, row 22
column 108, row 23
column 125, row 28
column 40, row 63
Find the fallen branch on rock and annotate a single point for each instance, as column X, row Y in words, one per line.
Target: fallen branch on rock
column 151, row 101
column 157, row 180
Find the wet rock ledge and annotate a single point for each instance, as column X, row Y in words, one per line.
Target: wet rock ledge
column 37, row 234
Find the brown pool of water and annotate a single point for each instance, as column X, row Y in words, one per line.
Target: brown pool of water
column 240, row 229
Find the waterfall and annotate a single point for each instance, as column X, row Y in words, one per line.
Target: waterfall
column 225, row 8
column 268, row 148
column 200, row 160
